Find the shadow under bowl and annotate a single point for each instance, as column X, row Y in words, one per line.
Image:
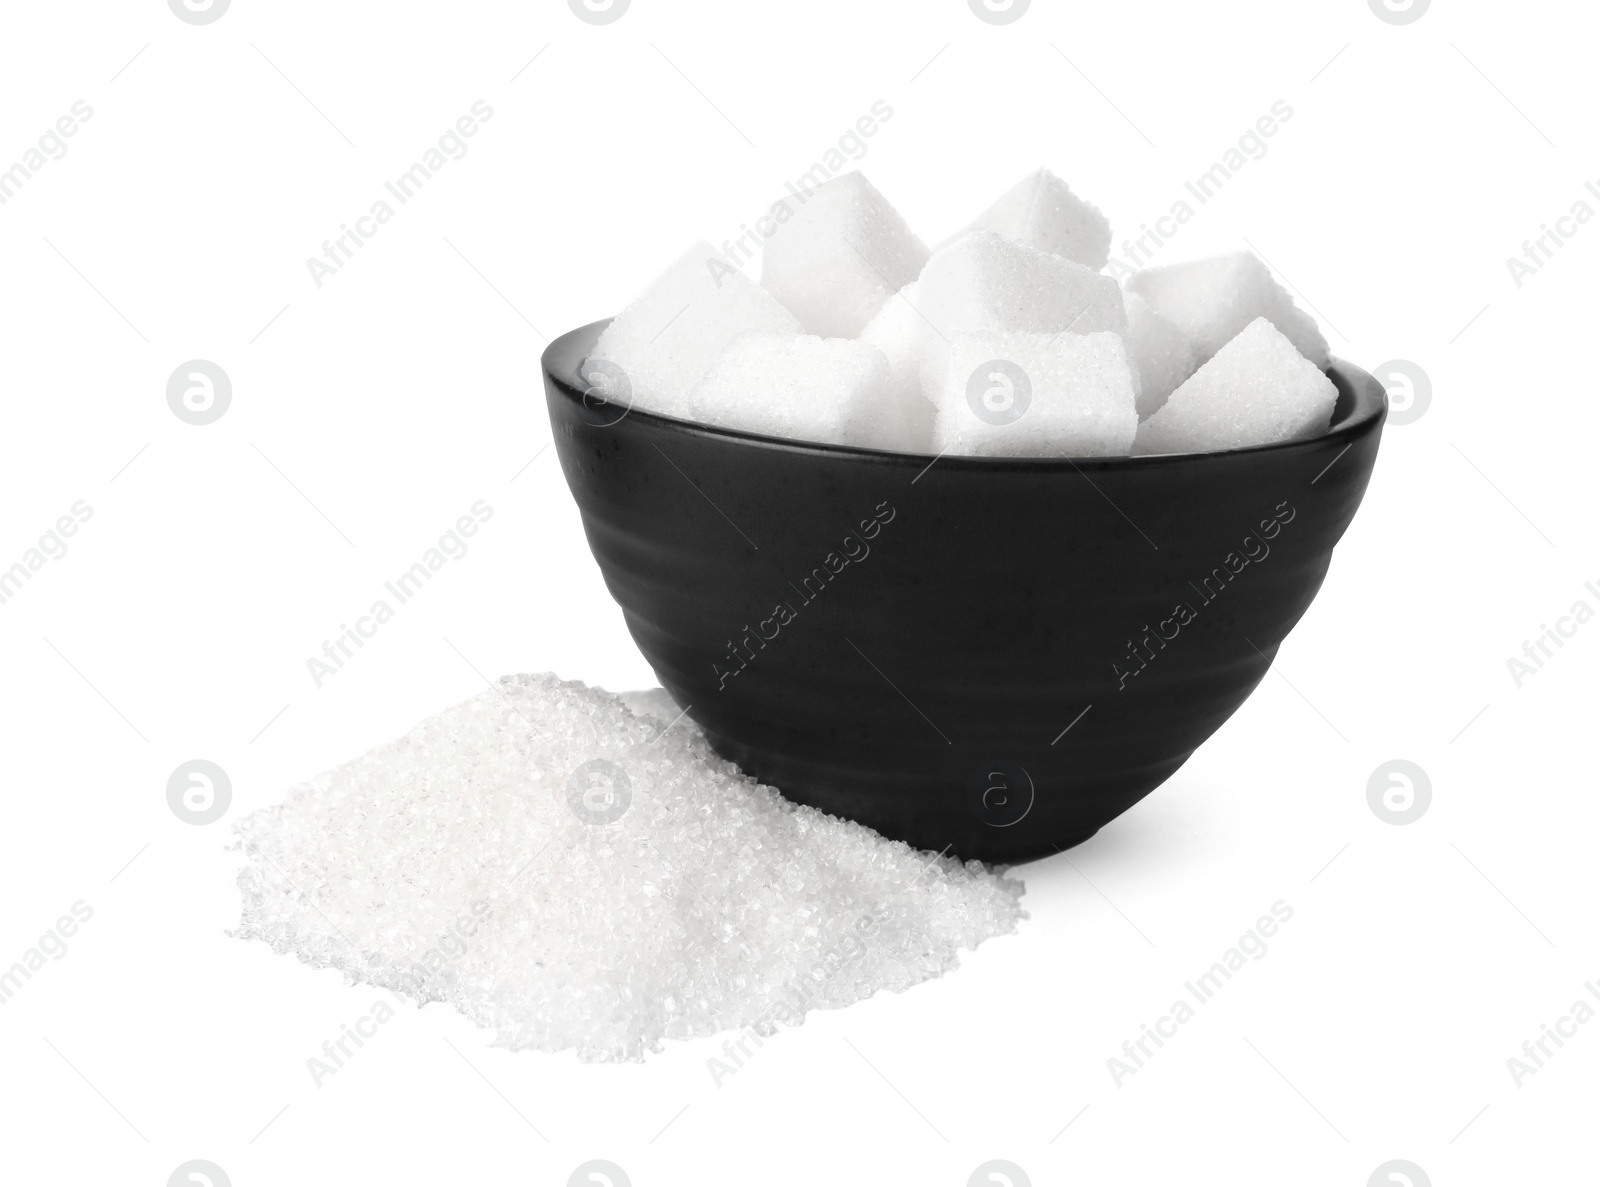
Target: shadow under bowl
column 990, row 656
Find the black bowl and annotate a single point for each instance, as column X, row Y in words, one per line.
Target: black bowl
column 991, row 656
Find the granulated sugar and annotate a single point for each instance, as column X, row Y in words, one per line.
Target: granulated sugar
column 574, row 876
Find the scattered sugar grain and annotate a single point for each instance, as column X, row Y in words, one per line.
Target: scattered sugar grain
column 470, row 862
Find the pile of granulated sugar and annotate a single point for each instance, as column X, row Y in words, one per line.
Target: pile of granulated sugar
column 577, row 876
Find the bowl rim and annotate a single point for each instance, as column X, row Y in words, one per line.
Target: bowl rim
column 1369, row 407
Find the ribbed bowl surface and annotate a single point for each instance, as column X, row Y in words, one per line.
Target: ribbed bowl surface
column 992, row 656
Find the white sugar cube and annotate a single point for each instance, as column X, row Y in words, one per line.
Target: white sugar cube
column 900, row 331
column 1256, row 390
column 1028, row 394
column 984, row 282
column 1211, row 300
column 842, row 253
column 1041, row 211
column 674, row 331
column 831, row 390
column 1161, row 352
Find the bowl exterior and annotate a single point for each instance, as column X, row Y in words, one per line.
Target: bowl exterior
column 992, row 657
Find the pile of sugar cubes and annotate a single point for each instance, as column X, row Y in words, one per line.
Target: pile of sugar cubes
column 579, row 871
column 1009, row 339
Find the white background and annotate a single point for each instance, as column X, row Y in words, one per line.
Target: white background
column 370, row 413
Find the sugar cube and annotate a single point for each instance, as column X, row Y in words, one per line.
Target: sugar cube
column 985, row 282
column 1022, row 393
column 1256, row 390
column 1211, row 300
column 841, row 254
column 900, row 331
column 1041, row 211
column 674, row 331
column 1162, row 354
column 833, row 390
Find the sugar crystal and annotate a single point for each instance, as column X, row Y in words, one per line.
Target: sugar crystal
column 576, row 877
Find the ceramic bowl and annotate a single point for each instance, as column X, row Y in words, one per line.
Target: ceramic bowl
column 989, row 656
